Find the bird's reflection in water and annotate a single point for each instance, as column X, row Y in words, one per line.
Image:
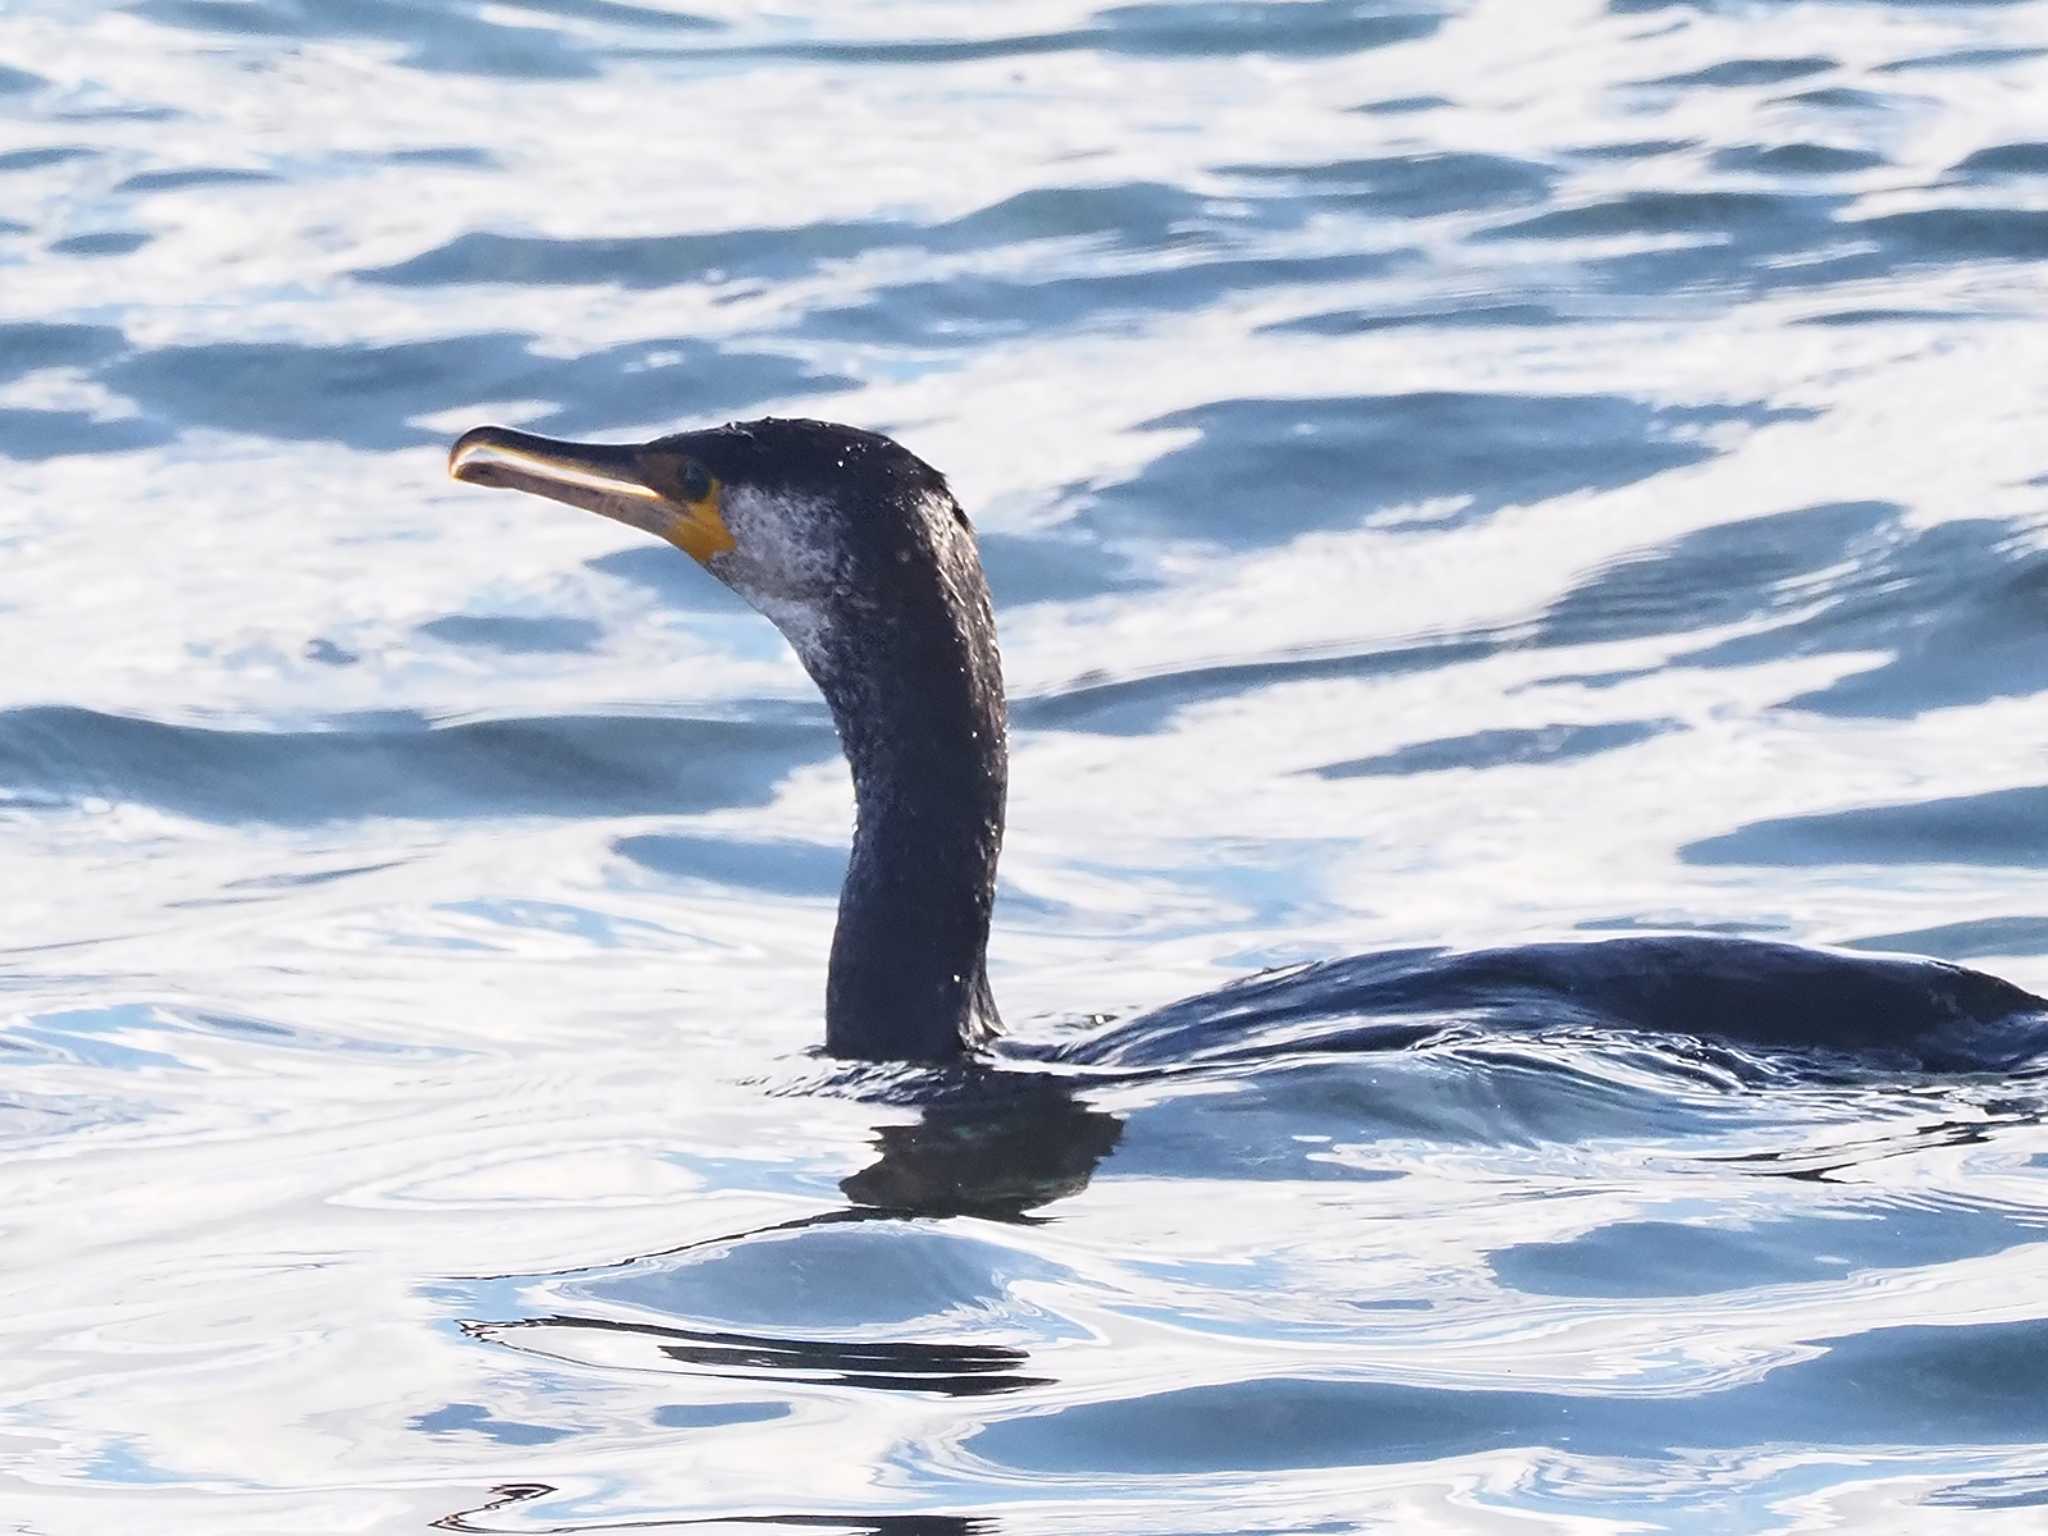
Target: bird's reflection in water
column 910, row 1365
column 996, row 1146
column 993, row 1145
column 478, row 1520
column 1010, row 1143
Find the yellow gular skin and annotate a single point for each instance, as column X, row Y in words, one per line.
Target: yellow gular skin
column 699, row 529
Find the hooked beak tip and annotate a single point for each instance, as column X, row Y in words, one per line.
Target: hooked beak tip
column 468, row 459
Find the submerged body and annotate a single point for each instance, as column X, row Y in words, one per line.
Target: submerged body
column 1898, row 1011
column 857, row 551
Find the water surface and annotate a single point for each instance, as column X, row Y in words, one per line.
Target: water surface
column 1451, row 474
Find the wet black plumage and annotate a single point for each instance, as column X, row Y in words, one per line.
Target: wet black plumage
column 858, row 551
column 909, row 666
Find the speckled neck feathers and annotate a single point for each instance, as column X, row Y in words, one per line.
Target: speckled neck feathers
column 866, row 563
column 918, row 700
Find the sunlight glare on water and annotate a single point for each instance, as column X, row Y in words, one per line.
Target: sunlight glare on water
column 1461, row 473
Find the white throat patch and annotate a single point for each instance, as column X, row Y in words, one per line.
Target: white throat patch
column 785, row 563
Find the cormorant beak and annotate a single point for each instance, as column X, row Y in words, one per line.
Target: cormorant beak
column 639, row 484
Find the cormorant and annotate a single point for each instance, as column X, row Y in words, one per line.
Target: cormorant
column 857, row 551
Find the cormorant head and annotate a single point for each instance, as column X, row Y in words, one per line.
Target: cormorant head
column 822, row 528
column 856, row 550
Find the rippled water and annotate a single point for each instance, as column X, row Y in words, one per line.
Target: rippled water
column 1461, row 474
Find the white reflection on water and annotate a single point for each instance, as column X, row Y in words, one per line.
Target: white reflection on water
column 418, row 901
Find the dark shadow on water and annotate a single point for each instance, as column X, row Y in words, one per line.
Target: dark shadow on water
column 148, row 1036
column 31, row 435
column 130, row 112
column 2028, row 159
column 108, row 242
column 1131, row 215
column 717, row 1415
column 1402, row 106
column 1140, row 705
column 2025, row 1491
column 1721, row 213
column 1729, row 928
column 1292, row 28
column 1961, row 58
column 459, row 156
column 1127, row 215
column 197, row 176
column 1358, row 322
column 1418, row 185
column 1264, row 471
column 362, row 396
column 1667, row 1258
column 639, row 261
column 2005, row 829
column 1745, row 242
column 402, row 766
column 960, row 311
column 1797, row 159
column 1740, row 72
column 1841, row 98
column 1966, row 940
column 1502, row 748
column 439, row 36
column 1755, row 242
column 46, row 155
column 1729, row 573
column 475, row 1419
column 514, row 634
column 1975, row 1384
column 1652, row 1258
column 1204, row 242
column 1958, row 234
column 1883, row 316
column 1635, row 149
column 1961, row 606
column 1179, row 29
column 28, row 346
column 781, row 868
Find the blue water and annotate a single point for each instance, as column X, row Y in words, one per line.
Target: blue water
column 1462, row 474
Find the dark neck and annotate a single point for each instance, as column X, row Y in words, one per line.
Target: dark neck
column 919, row 708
